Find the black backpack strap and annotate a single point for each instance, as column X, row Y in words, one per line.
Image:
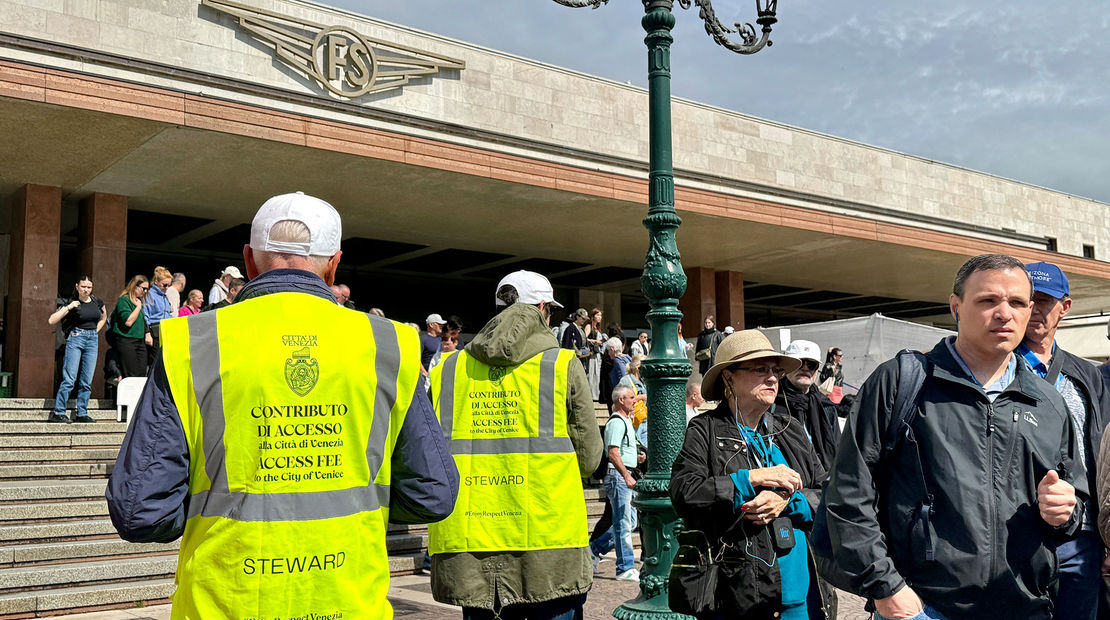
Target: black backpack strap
column 631, row 440
column 913, row 368
column 1055, row 367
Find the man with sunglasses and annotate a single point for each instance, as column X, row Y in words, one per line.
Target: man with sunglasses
column 800, row 398
column 958, row 516
column 1089, row 407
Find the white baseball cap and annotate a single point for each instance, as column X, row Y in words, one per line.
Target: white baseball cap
column 232, row 271
column 322, row 220
column 435, row 318
column 803, row 350
column 531, row 288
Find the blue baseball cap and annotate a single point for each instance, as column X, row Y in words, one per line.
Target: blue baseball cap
column 1048, row 279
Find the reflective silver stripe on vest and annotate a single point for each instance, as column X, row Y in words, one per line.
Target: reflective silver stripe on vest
column 547, row 392
column 387, row 363
column 204, row 355
column 289, row 506
column 512, row 445
column 447, row 395
column 220, row 501
column 545, row 443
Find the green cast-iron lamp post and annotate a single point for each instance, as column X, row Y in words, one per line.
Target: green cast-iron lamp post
column 667, row 368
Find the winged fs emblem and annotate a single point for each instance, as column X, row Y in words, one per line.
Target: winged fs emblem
column 302, row 371
column 343, row 61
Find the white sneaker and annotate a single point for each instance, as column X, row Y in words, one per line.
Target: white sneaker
column 629, row 575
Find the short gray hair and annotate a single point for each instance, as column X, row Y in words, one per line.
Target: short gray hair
column 691, row 388
column 613, row 343
column 293, row 231
column 987, row 262
column 178, row 277
column 621, row 389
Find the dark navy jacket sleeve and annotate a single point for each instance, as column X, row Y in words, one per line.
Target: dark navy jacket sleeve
column 425, row 481
column 149, row 486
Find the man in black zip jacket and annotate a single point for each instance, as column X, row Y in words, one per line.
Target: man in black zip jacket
column 799, row 397
column 1079, row 382
column 961, row 518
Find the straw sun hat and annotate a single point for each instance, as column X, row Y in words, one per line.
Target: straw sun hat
column 742, row 346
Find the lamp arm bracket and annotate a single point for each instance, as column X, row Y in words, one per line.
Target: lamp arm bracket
column 750, row 42
column 578, row 4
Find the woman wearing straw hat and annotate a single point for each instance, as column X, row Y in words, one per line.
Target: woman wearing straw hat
column 749, row 479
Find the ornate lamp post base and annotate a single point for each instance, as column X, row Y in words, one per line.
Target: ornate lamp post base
column 658, row 521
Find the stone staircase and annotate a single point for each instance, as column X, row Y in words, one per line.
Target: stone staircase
column 58, row 550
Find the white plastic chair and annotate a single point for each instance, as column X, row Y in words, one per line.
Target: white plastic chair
column 127, row 396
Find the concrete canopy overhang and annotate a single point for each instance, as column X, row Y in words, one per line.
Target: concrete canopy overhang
column 219, row 161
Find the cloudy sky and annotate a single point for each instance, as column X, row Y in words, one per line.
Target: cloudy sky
column 1019, row 88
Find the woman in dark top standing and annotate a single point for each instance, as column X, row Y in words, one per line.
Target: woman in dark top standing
column 833, row 367
column 82, row 319
column 706, row 347
column 129, row 327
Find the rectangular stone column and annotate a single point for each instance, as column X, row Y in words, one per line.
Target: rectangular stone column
column 730, row 299
column 102, row 255
column 33, row 289
column 608, row 301
column 698, row 301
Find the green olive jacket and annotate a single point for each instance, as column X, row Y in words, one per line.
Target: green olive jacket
column 479, row 579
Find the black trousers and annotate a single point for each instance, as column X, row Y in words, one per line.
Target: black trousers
column 154, row 349
column 604, row 523
column 132, row 356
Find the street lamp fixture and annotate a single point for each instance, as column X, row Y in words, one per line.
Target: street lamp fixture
column 663, row 282
column 750, row 43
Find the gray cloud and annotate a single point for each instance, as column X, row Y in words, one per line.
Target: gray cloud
column 1016, row 88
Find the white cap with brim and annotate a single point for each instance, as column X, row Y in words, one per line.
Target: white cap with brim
column 804, row 350
column 232, row 271
column 323, row 222
column 435, row 318
column 531, row 288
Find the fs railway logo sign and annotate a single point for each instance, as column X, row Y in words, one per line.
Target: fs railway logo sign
column 302, row 371
column 341, row 60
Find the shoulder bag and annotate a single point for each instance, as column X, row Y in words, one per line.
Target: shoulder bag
column 695, row 571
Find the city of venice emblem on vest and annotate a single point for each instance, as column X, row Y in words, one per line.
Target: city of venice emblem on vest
column 497, row 373
column 302, row 371
column 343, row 61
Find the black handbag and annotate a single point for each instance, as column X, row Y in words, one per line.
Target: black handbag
column 694, row 576
column 695, row 573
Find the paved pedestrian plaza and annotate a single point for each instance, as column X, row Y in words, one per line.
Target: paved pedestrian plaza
column 412, row 600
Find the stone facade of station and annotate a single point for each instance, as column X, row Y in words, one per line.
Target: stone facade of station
column 568, row 116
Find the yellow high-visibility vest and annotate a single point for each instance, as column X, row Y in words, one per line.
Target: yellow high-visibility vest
column 291, row 407
column 520, row 488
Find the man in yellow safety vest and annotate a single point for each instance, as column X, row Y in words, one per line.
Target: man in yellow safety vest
column 519, row 418
column 279, row 436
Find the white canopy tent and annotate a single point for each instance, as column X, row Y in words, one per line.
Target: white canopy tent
column 866, row 341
